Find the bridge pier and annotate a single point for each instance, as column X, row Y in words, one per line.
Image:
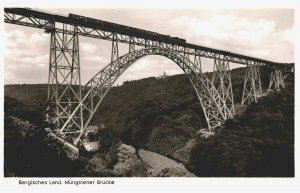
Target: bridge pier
column 276, row 79
column 115, row 51
column 217, row 102
column 64, row 81
column 252, row 84
column 131, row 44
column 97, row 88
column 73, row 106
column 221, row 79
column 197, row 63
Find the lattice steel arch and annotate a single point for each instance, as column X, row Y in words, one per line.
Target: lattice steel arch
column 97, row 88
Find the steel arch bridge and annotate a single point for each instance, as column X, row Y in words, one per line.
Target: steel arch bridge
column 95, row 90
column 72, row 106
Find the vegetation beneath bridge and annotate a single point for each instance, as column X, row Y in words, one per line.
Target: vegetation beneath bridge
column 161, row 115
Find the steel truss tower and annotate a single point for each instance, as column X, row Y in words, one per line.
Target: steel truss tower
column 252, row 84
column 221, row 79
column 276, row 79
column 64, row 81
column 97, row 88
column 73, row 106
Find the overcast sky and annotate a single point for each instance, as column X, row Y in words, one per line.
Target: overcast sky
column 262, row 33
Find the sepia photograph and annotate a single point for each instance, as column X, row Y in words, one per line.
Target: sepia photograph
column 110, row 93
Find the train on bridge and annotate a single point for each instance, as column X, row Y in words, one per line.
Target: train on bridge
column 95, row 23
column 73, row 116
column 123, row 29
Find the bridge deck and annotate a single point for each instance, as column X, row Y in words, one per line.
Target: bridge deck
column 104, row 30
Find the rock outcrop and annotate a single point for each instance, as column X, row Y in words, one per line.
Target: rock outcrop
column 129, row 164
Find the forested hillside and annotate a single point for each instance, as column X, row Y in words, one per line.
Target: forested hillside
column 258, row 143
column 162, row 114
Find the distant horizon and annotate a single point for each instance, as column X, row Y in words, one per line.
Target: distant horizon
column 83, row 85
column 114, row 85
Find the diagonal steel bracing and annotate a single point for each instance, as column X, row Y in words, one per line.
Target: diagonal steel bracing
column 64, row 83
column 131, row 44
column 99, row 85
column 197, row 62
column 221, row 79
column 43, row 20
column 72, row 112
column 252, row 84
column 276, row 79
